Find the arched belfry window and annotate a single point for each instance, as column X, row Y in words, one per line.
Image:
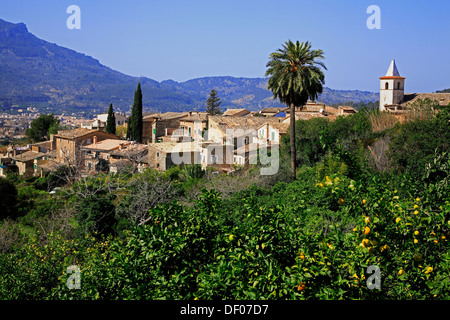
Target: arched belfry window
column 398, row 85
column 386, row 85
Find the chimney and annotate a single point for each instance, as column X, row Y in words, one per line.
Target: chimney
column 120, row 146
column 95, row 139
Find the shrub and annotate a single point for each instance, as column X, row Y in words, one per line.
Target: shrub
column 8, row 199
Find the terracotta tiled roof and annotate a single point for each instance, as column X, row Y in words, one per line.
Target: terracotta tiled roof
column 106, row 145
column 48, row 165
column 331, row 110
column 245, row 123
column 280, row 126
column 75, row 133
column 44, row 144
column 442, row 98
column 232, row 112
column 304, row 116
column 28, row 156
column 173, row 115
column 196, row 117
column 170, row 147
column 273, row 110
column 131, row 150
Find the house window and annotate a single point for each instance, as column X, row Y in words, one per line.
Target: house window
column 273, row 136
column 189, row 130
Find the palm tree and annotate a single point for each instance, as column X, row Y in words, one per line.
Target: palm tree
column 295, row 76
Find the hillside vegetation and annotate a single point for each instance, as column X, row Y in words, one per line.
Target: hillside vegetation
column 189, row 234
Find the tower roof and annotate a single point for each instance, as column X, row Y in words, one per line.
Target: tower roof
column 392, row 72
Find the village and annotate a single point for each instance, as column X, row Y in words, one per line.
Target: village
column 222, row 142
column 199, row 138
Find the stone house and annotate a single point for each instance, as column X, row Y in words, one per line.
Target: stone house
column 68, row 144
column 133, row 154
column 193, row 125
column 100, row 150
column 163, row 155
column 236, row 130
column 155, row 126
column 25, row 162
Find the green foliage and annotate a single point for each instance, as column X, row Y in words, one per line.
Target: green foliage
column 111, row 121
column 304, row 78
column 135, row 125
column 193, row 171
column 295, row 76
column 8, row 199
column 57, row 178
column 330, row 166
column 213, row 104
column 41, row 127
column 308, row 140
column 94, row 205
column 414, row 144
column 313, row 238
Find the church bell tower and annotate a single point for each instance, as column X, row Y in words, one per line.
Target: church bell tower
column 392, row 87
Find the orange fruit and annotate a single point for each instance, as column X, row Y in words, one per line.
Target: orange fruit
column 366, row 230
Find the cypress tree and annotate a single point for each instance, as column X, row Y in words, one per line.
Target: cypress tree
column 135, row 123
column 213, row 103
column 111, row 121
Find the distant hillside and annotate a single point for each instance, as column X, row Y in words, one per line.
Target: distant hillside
column 34, row 72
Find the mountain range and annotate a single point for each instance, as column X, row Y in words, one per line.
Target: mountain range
column 34, row 72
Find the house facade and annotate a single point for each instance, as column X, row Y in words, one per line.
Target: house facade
column 68, row 144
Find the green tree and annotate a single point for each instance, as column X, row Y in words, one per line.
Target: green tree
column 8, row 198
column 42, row 126
column 111, row 121
column 135, row 123
column 213, row 104
column 295, row 76
column 416, row 142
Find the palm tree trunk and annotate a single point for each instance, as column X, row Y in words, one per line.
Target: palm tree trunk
column 292, row 141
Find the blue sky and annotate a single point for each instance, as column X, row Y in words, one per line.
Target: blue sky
column 182, row 40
